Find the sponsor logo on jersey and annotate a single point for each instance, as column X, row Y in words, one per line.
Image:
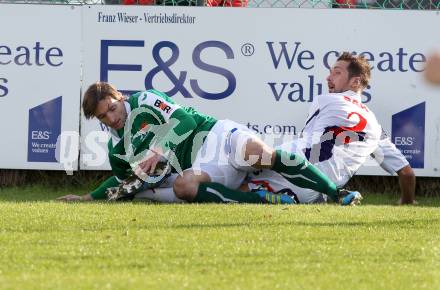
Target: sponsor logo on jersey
column 163, row 106
column 144, row 127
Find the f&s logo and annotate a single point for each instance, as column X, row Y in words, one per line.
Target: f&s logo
column 404, row 141
column 43, row 130
column 408, row 134
column 182, row 83
column 40, row 135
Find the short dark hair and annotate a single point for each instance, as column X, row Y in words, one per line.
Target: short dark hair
column 95, row 93
column 358, row 67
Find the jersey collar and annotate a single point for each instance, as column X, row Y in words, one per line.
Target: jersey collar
column 353, row 94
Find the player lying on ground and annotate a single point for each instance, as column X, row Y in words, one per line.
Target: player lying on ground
column 347, row 133
column 340, row 134
column 387, row 155
column 211, row 156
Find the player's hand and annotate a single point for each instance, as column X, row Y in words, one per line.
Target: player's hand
column 148, row 165
column 432, row 68
column 70, row 198
column 407, row 202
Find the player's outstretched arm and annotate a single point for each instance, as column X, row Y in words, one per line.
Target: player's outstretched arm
column 392, row 160
column 98, row 193
column 73, row 198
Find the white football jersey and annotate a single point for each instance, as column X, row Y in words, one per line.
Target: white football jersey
column 339, row 135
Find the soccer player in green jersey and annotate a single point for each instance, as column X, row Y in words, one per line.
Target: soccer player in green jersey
column 211, row 156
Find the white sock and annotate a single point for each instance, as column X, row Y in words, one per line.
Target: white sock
column 164, row 193
column 161, row 194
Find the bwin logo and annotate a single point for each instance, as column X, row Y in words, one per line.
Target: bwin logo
column 40, row 135
column 163, row 106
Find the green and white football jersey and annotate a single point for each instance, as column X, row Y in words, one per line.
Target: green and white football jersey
column 155, row 120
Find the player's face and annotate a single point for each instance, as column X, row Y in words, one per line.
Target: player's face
column 111, row 112
column 338, row 80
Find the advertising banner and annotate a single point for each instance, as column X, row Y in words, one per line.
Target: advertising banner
column 263, row 67
column 39, row 85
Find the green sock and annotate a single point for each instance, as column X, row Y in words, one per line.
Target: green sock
column 303, row 174
column 218, row 193
column 99, row 193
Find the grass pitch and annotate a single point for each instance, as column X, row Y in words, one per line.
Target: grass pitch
column 51, row 245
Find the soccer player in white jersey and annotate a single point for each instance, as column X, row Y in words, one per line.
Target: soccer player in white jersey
column 340, row 132
column 342, row 148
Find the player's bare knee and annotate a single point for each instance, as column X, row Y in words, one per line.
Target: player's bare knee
column 407, row 171
column 179, row 188
column 185, row 187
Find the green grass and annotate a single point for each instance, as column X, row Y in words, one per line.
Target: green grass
column 50, row 245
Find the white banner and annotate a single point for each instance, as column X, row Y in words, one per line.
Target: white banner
column 39, row 86
column 262, row 67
